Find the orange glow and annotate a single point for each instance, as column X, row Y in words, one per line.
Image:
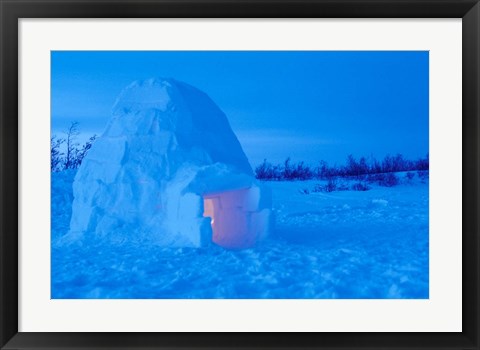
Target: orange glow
column 234, row 218
column 208, row 209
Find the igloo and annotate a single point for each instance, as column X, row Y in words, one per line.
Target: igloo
column 168, row 169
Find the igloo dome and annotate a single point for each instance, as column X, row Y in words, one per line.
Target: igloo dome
column 168, row 169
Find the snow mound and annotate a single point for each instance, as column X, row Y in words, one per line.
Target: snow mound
column 166, row 148
column 380, row 202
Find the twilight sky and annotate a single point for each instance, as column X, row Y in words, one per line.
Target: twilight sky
column 307, row 105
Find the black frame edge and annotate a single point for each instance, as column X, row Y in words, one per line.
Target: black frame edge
column 239, row 8
column 8, row 175
column 10, row 11
column 444, row 341
column 471, row 174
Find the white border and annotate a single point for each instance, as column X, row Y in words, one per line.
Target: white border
column 441, row 313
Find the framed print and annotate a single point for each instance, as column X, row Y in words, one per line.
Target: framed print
column 239, row 175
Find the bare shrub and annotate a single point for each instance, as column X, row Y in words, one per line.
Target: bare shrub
column 360, row 186
column 389, row 180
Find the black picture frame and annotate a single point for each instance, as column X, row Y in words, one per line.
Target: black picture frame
column 12, row 10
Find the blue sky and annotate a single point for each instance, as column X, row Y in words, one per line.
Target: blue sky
column 307, row 105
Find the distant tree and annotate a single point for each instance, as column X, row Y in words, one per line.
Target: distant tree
column 267, row 171
column 82, row 152
column 387, row 164
column 55, row 153
column 356, row 168
column 422, row 164
column 399, row 164
column 263, row 170
column 288, row 170
column 71, row 144
column 302, row 172
column 352, row 166
column 72, row 155
column 375, row 166
column 363, row 169
column 322, row 171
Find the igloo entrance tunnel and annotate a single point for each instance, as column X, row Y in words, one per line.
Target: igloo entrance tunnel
column 168, row 169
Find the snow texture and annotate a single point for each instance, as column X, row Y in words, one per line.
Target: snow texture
column 165, row 148
column 348, row 244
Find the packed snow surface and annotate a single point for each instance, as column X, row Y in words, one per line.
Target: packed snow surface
column 347, row 244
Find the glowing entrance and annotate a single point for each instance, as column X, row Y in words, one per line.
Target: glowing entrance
column 208, row 210
column 235, row 219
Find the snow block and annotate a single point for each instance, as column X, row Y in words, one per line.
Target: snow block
column 167, row 156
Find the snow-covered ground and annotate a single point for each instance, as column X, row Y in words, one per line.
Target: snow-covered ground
column 346, row 244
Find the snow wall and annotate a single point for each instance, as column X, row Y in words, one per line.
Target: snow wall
column 167, row 152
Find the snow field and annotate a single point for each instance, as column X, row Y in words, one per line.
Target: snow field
column 346, row 244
